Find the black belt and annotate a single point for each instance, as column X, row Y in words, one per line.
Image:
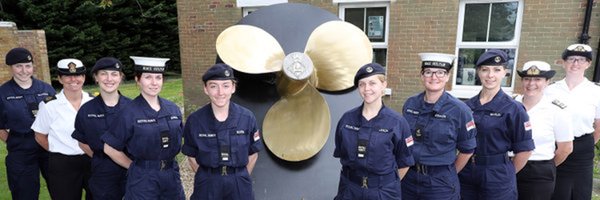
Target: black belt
column 581, row 137
column 489, row 159
column 371, row 180
column 29, row 134
column 534, row 162
column 155, row 164
column 223, row 170
column 426, row 169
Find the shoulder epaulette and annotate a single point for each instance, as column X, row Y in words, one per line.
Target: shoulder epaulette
column 561, row 105
column 49, row 98
column 514, row 96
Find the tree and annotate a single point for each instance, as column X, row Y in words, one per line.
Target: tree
column 90, row 30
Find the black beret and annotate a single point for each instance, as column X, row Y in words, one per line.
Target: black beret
column 18, row 55
column 492, row 57
column 578, row 50
column 219, row 71
column 107, row 63
column 368, row 70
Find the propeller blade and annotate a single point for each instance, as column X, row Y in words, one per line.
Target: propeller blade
column 297, row 126
column 338, row 49
column 250, row 49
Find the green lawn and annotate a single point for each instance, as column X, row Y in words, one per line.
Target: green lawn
column 172, row 90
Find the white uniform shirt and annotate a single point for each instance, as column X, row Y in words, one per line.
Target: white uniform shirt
column 549, row 124
column 583, row 103
column 57, row 120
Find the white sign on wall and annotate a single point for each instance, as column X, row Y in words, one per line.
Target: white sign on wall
column 255, row 3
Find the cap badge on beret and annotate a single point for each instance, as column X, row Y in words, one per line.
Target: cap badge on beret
column 369, row 69
column 117, row 65
column 72, row 67
column 29, row 58
column 497, row 59
column 533, row 70
column 226, row 73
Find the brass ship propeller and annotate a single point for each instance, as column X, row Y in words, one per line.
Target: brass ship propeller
column 309, row 49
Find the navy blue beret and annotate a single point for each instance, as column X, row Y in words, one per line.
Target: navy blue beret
column 492, row 57
column 18, row 55
column 368, row 70
column 107, row 63
column 578, row 50
column 219, row 71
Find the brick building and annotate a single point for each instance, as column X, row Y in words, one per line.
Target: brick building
column 398, row 30
column 531, row 30
column 33, row 40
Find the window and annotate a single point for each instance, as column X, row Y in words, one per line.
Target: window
column 372, row 18
column 485, row 25
column 249, row 6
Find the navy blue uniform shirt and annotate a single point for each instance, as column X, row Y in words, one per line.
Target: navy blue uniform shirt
column 502, row 125
column 387, row 136
column 141, row 129
column 18, row 106
column 93, row 120
column 439, row 129
column 205, row 137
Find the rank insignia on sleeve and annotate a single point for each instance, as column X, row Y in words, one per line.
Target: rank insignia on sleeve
column 470, row 125
column 256, row 136
column 409, row 141
column 527, row 125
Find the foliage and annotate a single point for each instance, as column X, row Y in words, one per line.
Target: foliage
column 88, row 30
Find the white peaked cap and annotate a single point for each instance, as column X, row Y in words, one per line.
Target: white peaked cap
column 149, row 61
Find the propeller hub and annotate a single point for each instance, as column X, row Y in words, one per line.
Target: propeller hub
column 297, row 66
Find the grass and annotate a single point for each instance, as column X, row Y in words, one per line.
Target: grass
column 172, row 90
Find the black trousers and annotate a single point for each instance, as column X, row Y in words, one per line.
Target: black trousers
column 536, row 180
column 574, row 176
column 68, row 176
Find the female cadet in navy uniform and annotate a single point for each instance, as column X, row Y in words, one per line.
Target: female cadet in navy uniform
column 221, row 141
column 502, row 126
column 441, row 125
column 19, row 99
column 372, row 142
column 582, row 97
column 551, row 131
column 68, row 166
column 93, row 119
column 146, row 136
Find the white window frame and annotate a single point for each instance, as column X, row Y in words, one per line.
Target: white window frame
column 376, row 45
column 248, row 10
column 468, row 91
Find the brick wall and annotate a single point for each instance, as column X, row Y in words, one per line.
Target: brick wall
column 34, row 41
column 415, row 26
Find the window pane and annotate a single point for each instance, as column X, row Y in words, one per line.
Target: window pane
column 503, row 21
column 355, row 16
column 380, row 56
column 466, row 74
column 376, row 24
column 475, row 22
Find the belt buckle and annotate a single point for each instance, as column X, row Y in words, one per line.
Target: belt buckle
column 163, row 165
column 224, row 171
column 422, row 169
column 365, row 182
column 473, row 158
